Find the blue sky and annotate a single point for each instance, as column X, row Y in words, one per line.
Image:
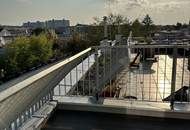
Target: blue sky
column 15, row 12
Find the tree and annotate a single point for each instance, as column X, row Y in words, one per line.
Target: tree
column 41, row 48
column 97, row 21
column 136, row 28
column 179, row 25
column 95, row 34
column 8, row 62
column 147, row 21
column 119, row 20
column 24, row 53
column 76, row 44
column 38, row 31
column 116, row 24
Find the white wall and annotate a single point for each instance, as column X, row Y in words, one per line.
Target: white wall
column 5, row 33
column 2, row 41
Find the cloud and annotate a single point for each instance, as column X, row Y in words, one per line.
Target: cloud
column 24, row 1
column 170, row 4
column 125, row 4
column 128, row 5
column 163, row 11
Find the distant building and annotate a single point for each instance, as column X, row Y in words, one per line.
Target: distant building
column 80, row 29
column 2, row 42
column 57, row 23
column 52, row 24
column 4, row 32
column 9, row 33
column 172, row 36
column 34, row 25
column 68, row 32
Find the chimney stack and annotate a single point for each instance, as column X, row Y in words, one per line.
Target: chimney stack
column 105, row 28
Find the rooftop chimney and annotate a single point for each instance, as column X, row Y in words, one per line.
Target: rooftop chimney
column 105, row 28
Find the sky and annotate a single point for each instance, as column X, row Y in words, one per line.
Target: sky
column 15, row 12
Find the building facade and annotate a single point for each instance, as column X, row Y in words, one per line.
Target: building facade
column 52, row 24
column 9, row 33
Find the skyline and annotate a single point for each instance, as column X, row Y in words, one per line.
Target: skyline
column 16, row 12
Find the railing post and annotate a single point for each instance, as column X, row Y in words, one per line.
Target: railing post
column 20, row 121
column 173, row 82
column 29, row 114
column 16, row 125
column 33, row 109
column 25, row 116
column 51, row 95
column 9, row 127
column 97, row 75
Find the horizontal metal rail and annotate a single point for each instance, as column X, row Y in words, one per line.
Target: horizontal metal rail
column 187, row 46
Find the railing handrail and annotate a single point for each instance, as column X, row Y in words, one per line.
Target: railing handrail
column 11, row 90
column 187, row 46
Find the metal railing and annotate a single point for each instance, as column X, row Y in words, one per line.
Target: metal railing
column 158, row 73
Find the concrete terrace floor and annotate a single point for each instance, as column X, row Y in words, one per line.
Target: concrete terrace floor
column 80, row 120
column 152, row 80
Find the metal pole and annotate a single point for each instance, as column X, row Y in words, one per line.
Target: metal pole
column 29, row 114
column 88, row 74
column 20, row 120
column 9, row 127
column 173, row 83
column 182, row 77
column 77, row 81
column 59, row 90
column 71, row 82
column 64, row 86
column 158, row 81
column 97, row 75
column 110, row 70
column 51, row 95
column 15, row 125
column 32, row 109
column 25, row 116
column 83, row 78
column 104, row 71
column 165, row 71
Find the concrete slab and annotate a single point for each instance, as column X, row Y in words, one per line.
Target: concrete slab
column 139, row 108
column 84, row 120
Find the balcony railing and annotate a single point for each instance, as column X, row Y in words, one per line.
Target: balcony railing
column 139, row 72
